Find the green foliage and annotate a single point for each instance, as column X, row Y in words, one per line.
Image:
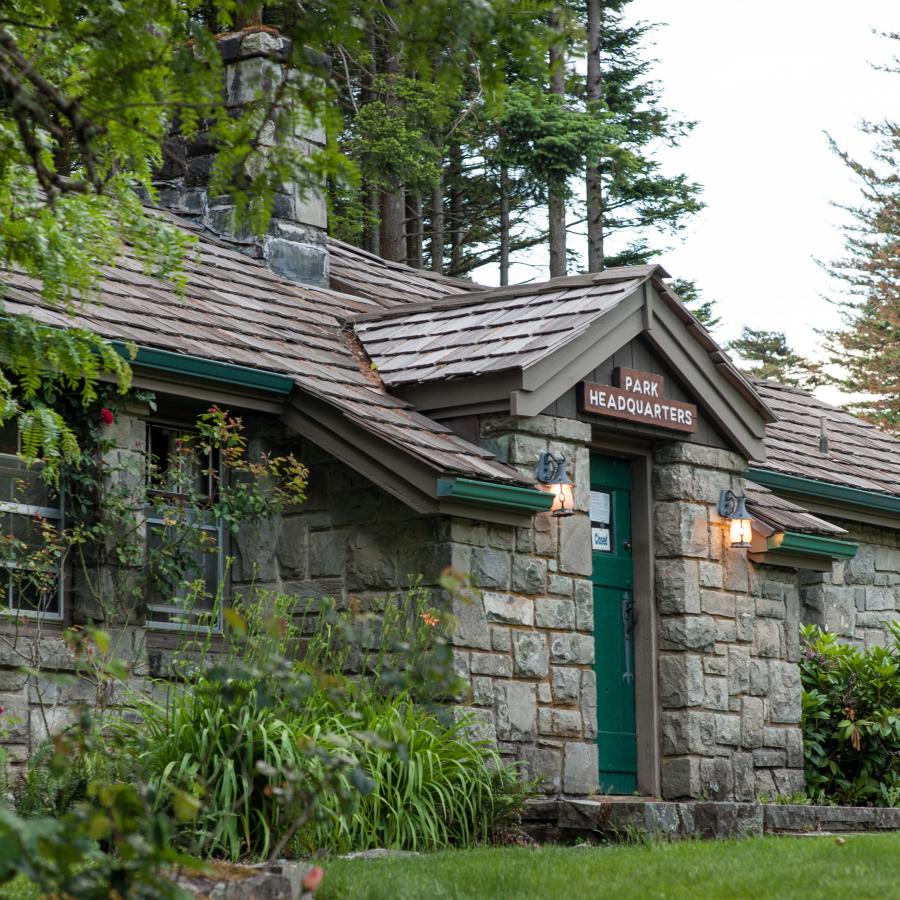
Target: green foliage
column 51, row 785
column 770, row 358
column 851, row 720
column 692, row 297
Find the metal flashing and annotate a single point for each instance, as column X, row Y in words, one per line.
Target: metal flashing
column 824, row 490
column 798, row 544
column 494, row 495
column 212, row 370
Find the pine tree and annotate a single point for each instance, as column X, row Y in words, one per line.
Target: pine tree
column 769, row 357
column 692, row 297
column 626, row 189
column 867, row 349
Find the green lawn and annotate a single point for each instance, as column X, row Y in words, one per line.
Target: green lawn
column 864, row 866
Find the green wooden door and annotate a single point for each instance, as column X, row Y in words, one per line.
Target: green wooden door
column 613, row 577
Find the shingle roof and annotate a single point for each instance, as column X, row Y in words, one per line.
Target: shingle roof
column 236, row 310
column 358, row 272
column 498, row 329
column 858, row 456
column 782, row 515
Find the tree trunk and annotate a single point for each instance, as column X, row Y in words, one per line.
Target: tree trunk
column 556, row 205
column 393, row 225
column 414, row 230
column 455, row 219
column 593, row 182
column 373, row 232
column 504, row 226
column 437, row 228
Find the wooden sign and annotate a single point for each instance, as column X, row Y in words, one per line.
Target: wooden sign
column 637, row 397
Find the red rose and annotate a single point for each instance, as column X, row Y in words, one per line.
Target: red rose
column 107, row 416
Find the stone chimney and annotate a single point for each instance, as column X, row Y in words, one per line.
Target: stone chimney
column 294, row 245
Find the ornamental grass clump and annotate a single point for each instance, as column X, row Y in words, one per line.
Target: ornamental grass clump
column 851, row 719
column 318, row 731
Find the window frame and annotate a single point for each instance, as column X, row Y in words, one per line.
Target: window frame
column 217, row 528
column 29, row 510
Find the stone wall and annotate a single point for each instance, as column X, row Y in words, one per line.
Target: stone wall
column 728, row 676
column 859, row 597
column 525, row 640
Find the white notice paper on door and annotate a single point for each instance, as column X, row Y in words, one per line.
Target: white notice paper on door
column 600, row 507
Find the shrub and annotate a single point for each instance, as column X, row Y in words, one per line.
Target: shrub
column 851, row 719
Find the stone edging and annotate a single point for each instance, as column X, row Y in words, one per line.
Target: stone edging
column 565, row 819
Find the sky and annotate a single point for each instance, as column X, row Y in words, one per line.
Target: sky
column 765, row 80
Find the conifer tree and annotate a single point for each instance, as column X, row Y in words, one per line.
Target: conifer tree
column 867, row 349
column 768, row 356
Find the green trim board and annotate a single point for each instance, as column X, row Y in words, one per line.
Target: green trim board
column 795, row 543
column 492, row 494
column 824, row 490
column 212, row 370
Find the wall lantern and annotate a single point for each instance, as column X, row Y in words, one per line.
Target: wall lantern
column 733, row 507
column 551, row 470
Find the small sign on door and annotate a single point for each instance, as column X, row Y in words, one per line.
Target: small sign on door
column 601, row 541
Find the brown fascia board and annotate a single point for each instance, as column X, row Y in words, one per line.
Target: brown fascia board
column 718, row 355
column 726, row 406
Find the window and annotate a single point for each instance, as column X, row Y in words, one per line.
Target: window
column 184, row 540
column 31, row 518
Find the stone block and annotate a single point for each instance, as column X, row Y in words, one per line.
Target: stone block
column 769, row 757
column 879, row 598
column 589, row 704
column 256, row 545
column 794, row 747
column 759, row 677
column 737, row 570
column 500, row 638
column 687, row 731
column 490, row 568
column 508, row 609
column 584, row 606
column 502, row 537
column 471, row 629
column 14, row 725
column 752, row 722
column 552, row 613
column 530, row 654
column 516, row 710
column 673, row 483
column 726, row 631
column 560, row 722
column 572, row 649
column 370, row 563
column 785, row 692
column 767, row 638
column 717, row 603
column 775, row 738
column 543, row 693
column 716, row 693
column 710, row 574
column 580, row 768
column 480, row 724
column 680, row 680
column 716, row 778
column 529, row 575
column 738, row 670
column 744, row 776
column 467, row 531
column 789, row 781
column 497, row 664
column 677, row 586
column 744, row 618
column 715, row 665
column 681, row 530
column 575, row 545
column 687, row 633
column 544, row 764
column 771, row 609
column 887, row 559
column 728, row 730
column 560, row 585
column 680, row 778
column 293, row 547
column 566, row 684
column 482, row 691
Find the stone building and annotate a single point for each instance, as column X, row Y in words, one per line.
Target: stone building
column 629, row 631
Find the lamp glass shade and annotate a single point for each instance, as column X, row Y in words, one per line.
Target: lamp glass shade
column 740, row 532
column 563, row 499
